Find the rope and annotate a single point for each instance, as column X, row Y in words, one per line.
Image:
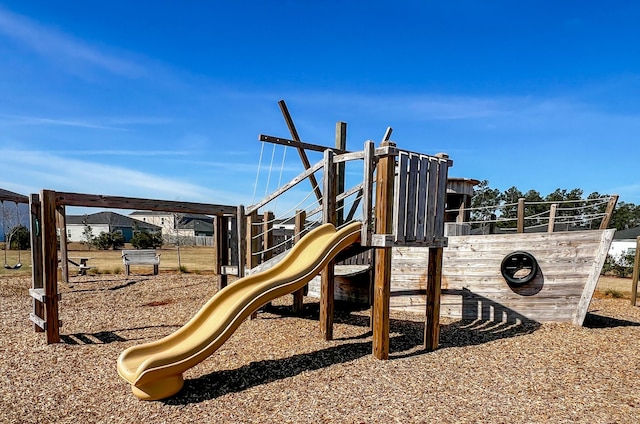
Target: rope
column 273, row 153
column 284, row 155
column 255, row 185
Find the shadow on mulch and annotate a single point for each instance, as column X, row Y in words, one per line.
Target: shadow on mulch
column 105, row 337
column 120, row 285
column 406, row 340
column 593, row 320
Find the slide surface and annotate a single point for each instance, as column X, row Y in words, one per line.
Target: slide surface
column 155, row 369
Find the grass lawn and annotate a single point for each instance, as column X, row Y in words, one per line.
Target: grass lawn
column 192, row 259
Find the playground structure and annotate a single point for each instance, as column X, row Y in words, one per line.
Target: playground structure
column 421, row 200
column 401, row 198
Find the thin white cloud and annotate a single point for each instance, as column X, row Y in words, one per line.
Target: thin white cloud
column 8, row 119
column 39, row 170
column 62, row 48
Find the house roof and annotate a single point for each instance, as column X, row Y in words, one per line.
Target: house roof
column 10, row 196
column 109, row 218
column 629, row 233
column 197, row 225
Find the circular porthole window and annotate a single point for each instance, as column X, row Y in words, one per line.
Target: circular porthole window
column 519, row 267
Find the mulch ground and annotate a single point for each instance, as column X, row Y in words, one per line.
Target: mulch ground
column 277, row 369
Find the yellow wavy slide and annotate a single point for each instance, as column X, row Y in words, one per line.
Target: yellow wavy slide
column 155, row 369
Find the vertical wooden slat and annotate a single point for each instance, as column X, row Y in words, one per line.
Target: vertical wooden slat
column 327, row 279
column 367, row 193
column 300, row 222
column 36, row 257
column 50, row 263
column 636, row 271
column 412, row 197
column 221, row 255
column 61, row 225
column 400, row 198
column 341, row 143
column 521, row 215
column 434, row 280
column 423, row 192
column 432, row 198
column 443, row 170
column 382, row 285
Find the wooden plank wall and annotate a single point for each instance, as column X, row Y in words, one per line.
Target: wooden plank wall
column 473, row 287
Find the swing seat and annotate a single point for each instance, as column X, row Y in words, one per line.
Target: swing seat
column 16, row 266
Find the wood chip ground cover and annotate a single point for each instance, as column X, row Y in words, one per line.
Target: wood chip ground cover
column 276, row 368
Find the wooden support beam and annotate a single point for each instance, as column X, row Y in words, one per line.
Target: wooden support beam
column 636, row 271
column 119, row 202
column 521, row 215
column 221, row 249
column 50, row 263
column 434, row 281
column 298, row 295
column 301, row 152
column 37, row 282
column 609, row 212
column 385, row 182
column 327, row 279
column 341, row 144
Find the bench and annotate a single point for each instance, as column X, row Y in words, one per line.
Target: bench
column 140, row 257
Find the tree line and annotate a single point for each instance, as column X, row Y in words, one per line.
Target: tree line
column 490, row 204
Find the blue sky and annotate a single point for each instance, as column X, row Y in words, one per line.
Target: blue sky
column 166, row 100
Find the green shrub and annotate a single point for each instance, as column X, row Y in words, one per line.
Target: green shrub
column 144, row 240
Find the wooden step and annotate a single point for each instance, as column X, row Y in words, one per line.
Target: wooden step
column 40, row 322
column 40, row 296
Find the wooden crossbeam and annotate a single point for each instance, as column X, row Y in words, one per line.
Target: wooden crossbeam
column 299, row 144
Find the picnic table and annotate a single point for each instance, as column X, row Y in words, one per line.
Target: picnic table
column 81, row 263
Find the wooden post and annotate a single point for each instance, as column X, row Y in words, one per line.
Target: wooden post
column 241, row 228
column 341, row 143
column 298, row 295
column 267, row 237
column 552, row 218
column 385, row 182
column 609, row 212
column 50, row 263
column 36, row 257
column 327, row 279
column 221, row 245
column 252, row 244
column 61, row 225
column 636, row 271
column 434, row 279
column 367, row 193
column 521, row 215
